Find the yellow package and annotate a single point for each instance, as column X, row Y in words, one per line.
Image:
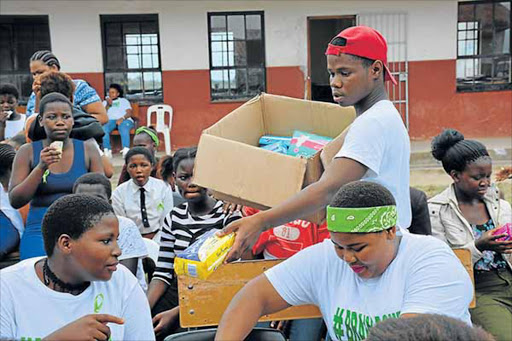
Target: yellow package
column 204, row 256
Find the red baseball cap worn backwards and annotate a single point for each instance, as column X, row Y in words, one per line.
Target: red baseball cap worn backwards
column 364, row 42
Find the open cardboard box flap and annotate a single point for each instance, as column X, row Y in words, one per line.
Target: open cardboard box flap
column 230, row 163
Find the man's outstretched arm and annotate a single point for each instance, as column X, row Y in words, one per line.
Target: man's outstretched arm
column 311, row 199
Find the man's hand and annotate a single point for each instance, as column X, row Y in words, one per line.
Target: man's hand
column 89, row 327
column 247, row 231
column 164, row 320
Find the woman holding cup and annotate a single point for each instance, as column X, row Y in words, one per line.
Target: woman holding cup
column 46, row 170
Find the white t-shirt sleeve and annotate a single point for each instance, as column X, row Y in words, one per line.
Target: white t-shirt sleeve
column 137, row 316
column 125, row 105
column 365, row 143
column 431, row 291
column 294, row 278
column 7, row 312
column 130, row 240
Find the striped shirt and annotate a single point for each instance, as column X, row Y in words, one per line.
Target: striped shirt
column 181, row 229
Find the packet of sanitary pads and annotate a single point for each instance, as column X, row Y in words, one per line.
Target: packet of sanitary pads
column 204, row 256
column 306, row 144
column 505, row 229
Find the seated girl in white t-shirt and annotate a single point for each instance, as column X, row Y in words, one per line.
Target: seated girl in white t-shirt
column 367, row 272
column 130, row 240
column 119, row 111
column 78, row 292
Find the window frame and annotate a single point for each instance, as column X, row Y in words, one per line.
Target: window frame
column 477, row 57
column 263, row 66
column 123, row 19
column 18, row 71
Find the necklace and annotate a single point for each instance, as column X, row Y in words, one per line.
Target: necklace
column 49, row 276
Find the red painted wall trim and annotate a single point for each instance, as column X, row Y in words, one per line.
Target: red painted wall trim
column 435, row 104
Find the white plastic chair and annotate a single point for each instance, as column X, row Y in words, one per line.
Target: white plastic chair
column 161, row 127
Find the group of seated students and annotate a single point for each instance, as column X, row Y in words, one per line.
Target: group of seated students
column 357, row 267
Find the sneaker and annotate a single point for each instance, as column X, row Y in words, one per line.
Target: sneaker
column 124, row 151
column 107, row 153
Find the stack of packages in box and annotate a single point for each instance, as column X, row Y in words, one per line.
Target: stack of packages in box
column 300, row 144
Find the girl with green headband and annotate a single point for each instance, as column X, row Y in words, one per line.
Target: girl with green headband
column 145, row 137
column 367, row 272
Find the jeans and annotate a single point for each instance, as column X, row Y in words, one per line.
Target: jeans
column 9, row 236
column 306, row 329
column 124, row 131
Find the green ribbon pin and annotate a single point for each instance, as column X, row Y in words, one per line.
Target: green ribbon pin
column 45, row 175
column 361, row 219
column 98, row 303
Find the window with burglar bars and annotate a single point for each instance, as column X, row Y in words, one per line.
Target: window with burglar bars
column 21, row 36
column 131, row 55
column 237, row 55
column 483, row 46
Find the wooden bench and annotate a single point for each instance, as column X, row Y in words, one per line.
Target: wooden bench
column 135, row 117
column 464, row 256
column 203, row 302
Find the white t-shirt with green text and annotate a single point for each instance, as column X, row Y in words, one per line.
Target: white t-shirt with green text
column 31, row 311
column 425, row 277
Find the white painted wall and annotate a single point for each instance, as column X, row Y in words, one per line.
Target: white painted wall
column 76, row 35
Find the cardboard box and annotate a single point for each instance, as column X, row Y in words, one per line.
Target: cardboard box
column 230, row 163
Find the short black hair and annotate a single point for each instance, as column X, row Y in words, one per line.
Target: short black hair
column 183, row 154
column 94, row 179
column 9, row 89
column 426, row 327
column 7, row 154
column 454, row 152
column 166, row 167
column 365, row 61
column 51, row 98
column 362, row 194
column 73, row 215
column 47, row 57
column 139, row 151
column 56, row 81
column 118, row 87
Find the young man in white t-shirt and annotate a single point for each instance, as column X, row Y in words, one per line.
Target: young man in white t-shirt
column 78, row 292
column 367, row 272
column 376, row 147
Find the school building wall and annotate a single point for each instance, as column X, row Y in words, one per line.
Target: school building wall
column 434, row 102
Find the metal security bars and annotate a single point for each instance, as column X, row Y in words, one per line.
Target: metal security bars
column 131, row 55
column 21, row 36
column 483, row 45
column 236, row 54
column 393, row 27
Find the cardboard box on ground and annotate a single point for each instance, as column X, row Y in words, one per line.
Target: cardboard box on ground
column 230, row 163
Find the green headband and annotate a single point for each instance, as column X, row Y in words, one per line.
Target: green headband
column 361, row 220
column 148, row 131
